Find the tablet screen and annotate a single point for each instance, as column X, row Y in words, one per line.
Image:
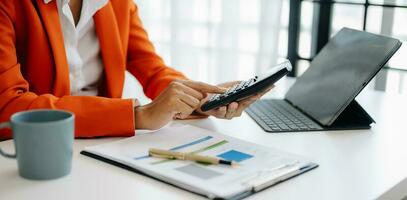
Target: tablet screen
column 339, row 72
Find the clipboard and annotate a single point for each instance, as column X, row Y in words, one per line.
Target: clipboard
column 250, row 184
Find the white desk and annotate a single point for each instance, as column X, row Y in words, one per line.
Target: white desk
column 363, row 164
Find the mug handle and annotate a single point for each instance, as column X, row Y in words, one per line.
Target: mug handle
column 6, row 125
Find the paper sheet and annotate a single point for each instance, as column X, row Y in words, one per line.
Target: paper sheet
column 212, row 180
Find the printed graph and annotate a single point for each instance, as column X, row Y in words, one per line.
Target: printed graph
column 232, row 154
column 180, row 146
column 235, row 155
column 196, row 151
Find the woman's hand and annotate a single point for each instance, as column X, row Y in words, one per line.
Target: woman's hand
column 234, row 109
column 178, row 100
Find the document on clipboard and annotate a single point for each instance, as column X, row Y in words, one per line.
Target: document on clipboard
column 258, row 167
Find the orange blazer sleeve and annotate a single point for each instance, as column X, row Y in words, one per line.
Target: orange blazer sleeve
column 143, row 62
column 95, row 116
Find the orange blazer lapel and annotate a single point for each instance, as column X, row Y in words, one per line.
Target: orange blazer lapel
column 112, row 50
column 50, row 18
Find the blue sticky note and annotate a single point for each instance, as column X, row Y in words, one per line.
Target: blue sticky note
column 235, row 156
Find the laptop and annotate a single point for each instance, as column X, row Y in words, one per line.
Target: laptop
column 323, row 98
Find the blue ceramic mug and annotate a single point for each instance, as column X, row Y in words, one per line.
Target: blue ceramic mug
column 43, row 143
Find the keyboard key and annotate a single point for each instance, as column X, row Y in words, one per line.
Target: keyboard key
column 293, row 126
column 283, row 126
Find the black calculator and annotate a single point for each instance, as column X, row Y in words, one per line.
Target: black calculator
column 248, row 88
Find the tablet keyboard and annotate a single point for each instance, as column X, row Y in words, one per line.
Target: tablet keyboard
column 275, row 115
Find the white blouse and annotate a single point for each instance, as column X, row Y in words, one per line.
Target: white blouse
column 82, row 47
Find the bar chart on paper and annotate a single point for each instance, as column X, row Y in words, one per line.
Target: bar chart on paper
column 232, row 155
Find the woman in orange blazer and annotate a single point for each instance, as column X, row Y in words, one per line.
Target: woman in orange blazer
column 34, row 71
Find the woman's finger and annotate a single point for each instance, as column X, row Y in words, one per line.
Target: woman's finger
column 229, row 84
column 182, row 109
column 220, row 112
column 190, row 100
column 193, row 92
column 231, row 109
column 204, row 87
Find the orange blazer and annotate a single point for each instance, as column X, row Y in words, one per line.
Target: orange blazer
column 34, row 72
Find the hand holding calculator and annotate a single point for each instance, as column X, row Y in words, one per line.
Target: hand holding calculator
column 248, row 88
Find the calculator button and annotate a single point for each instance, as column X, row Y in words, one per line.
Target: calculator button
column 214, row 97
column 222, row 96
column 231, row 90
column 246, row 83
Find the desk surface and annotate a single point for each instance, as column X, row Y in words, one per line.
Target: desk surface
column 363, row 164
